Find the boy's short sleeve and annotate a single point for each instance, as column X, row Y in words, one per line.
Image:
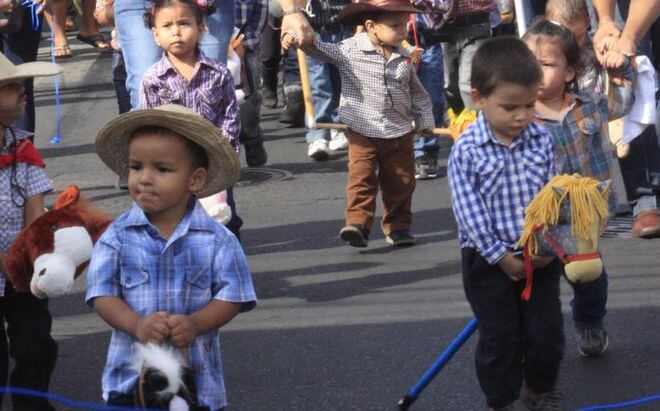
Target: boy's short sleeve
column 103, row 271
column 232, row 281
column 36, row 181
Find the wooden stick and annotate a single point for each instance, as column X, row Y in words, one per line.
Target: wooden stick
column 307, row 90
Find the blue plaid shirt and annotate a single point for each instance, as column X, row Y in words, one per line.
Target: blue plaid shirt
column 492, row 184
column 200, row 262
column 32, row 179
column 255, row 12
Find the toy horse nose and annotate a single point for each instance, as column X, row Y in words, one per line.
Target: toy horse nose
column 53, row 275
column 584, row 271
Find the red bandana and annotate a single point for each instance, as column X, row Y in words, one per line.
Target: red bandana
column 25, row 153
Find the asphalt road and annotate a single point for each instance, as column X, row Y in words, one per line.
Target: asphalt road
column 336, row 327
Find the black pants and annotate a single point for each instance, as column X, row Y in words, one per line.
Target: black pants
column 517, row 340
column 128, row 400
column 30, row 345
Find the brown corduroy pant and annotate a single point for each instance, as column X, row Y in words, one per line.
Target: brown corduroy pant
column 388, row 163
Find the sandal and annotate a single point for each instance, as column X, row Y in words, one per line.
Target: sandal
column 62, row 52
column 94, row 40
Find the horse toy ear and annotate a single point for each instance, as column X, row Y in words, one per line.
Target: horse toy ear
column 605, row 187
column 69, row 196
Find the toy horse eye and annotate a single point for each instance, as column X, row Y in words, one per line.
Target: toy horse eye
column 54, row 228
column 42, row 272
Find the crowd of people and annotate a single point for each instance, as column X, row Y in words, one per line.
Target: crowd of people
column 191, row 77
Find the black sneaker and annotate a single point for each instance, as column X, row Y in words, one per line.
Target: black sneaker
column 255, row 155
column 593, row 341
column 400, row 238
column 546, row 401
column 354, row 235
column 426, row 168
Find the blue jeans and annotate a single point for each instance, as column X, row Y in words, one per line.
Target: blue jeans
column 589, row 302
column 22, row 47
column 326, row 88
column 119, row 78
column 431, row 74
column 140, row 50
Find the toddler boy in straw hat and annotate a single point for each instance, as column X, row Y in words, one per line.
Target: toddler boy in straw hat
column 23, row 184
column 165, row 271
column 380, row 97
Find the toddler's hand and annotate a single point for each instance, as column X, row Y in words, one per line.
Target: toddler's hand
column 288, row 40
column 182, row 330
column 539, row 261
column 152, row 328
column 512, row 266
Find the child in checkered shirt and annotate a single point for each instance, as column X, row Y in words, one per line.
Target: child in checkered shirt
column 380, row 97
column 23, row 184
column 496, row 167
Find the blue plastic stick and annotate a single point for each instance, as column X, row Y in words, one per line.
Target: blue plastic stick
column 67, row 401
column 411, row 396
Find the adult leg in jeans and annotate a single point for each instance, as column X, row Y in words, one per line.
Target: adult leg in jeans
column 473, row 37
column 22, row 47
column 450, row 63
column 215, row 42
column 270, row 62
column 431, row 75
column 119, row 78
column 250, row 111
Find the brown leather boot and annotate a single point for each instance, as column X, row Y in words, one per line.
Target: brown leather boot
column 647, row 224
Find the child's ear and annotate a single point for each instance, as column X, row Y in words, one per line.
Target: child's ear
column 571, row 72
column 369, row 25
column 197, row 180
column 476, row 98
column 155, row 33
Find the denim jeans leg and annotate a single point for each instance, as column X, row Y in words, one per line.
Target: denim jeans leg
column 215, row 42
column 431, row 75
column 119, row 78
column 138, row 46
column 22, row 47
column 290, row 68
column 589, row 301
column 319, row 78
column 465, row 70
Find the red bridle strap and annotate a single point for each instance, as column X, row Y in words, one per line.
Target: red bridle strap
column 561, row 253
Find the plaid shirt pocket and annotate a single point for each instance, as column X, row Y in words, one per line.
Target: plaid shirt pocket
column 134, row 279
column 489, row 173
column 536, row 165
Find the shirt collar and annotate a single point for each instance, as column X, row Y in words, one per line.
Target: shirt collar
column 364, row 43
column 570, row 101
column 18, row 135
column 486, row 135
column 195, row 218
column 164, row 65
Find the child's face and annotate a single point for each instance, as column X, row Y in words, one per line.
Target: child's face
column 12, row 102
column 556, row 71
column 390, row 29
column 176, row 31
column 508, row 109
column 161, row 176
column 579, row 28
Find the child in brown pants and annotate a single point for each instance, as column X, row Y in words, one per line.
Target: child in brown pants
column 380, row 97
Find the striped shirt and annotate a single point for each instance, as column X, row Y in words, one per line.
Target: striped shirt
column 201, row 262
column 379, row 98
column 492, row 184
column 210, row 93
column 33, row 181
column 581, row 134
column 255, row 13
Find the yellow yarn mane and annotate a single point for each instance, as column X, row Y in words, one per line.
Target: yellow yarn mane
column 588, row 205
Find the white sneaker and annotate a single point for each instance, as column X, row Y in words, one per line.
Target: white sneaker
column 338, row 140
column 318, row 149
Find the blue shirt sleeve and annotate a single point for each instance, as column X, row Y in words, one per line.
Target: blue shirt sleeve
column 231, row 277
column 103, row 272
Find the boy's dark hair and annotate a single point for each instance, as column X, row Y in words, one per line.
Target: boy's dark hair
column 197, row 153
column 504, row 59
column 543, row 30
column 198, row 7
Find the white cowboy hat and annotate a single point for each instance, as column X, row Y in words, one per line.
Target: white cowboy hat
column 224, row 169
column 10, row 72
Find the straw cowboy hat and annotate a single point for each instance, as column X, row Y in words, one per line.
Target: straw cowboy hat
column 10, row 72
column 353, row 13
column 224, row 169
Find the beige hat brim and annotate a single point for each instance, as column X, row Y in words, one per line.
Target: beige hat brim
column 224, row 168
column 33, row 69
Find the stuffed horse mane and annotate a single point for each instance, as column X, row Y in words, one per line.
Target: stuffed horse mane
column 588, row 205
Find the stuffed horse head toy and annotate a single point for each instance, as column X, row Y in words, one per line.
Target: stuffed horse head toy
column 565, row 220
column 164, row 381
column 49, row 254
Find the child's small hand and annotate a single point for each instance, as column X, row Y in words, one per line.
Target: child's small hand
column 182, row 330
column 540, row 261
column 152, row 328
column 288, row 40
column 512, row 266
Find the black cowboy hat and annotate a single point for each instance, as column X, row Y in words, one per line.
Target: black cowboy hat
column 353, row 13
